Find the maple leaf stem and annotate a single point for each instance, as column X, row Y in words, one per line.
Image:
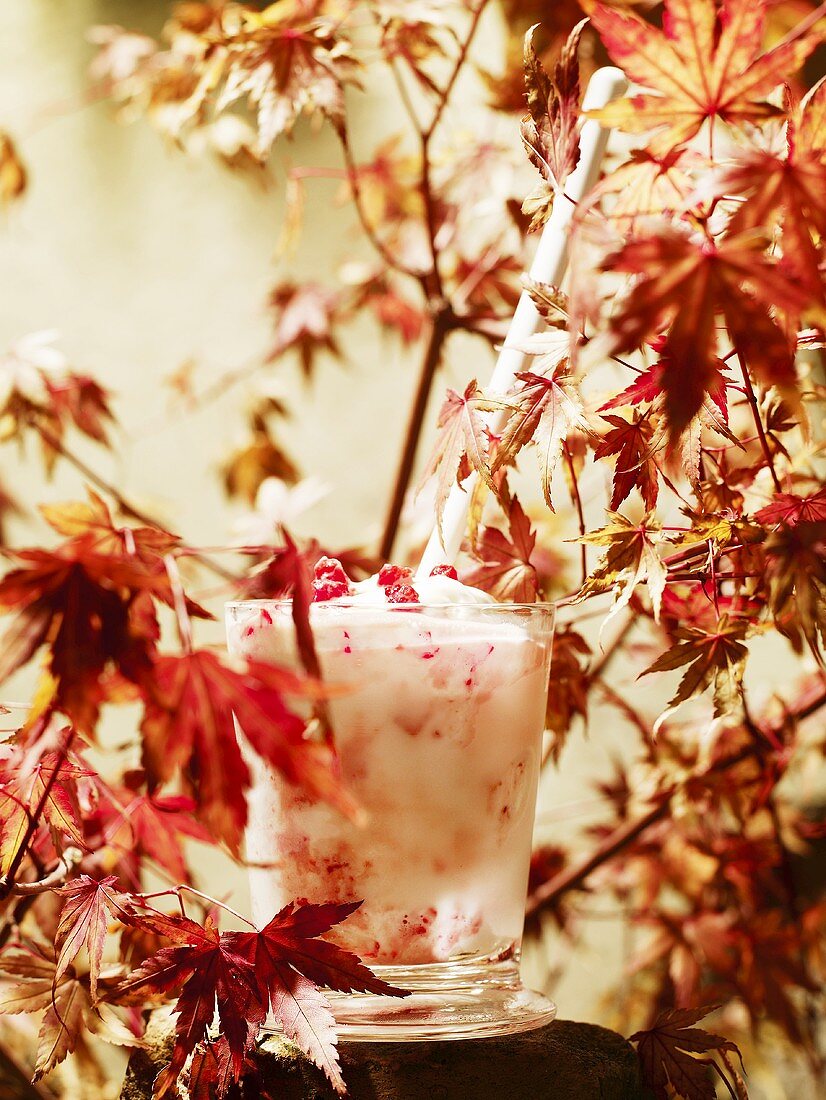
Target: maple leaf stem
column 358, row 201
column 404, row 94
column 123, row 504
column 215, row 901
column 758, row 423
column 577, row 502
column 443, row 322
column 458, row 64
column 177, row 891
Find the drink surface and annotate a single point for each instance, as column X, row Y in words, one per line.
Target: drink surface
column 439, row 741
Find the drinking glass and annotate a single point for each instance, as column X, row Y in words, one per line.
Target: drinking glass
column 439, row 737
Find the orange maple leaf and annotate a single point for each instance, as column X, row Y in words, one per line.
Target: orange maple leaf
column 705, row 64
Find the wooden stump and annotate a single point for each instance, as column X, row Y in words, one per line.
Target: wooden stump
column 562, row 1061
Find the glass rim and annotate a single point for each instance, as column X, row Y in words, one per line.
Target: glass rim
column 545, row 606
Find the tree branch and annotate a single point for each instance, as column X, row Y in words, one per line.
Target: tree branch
column 443, row 322
column 548, row 893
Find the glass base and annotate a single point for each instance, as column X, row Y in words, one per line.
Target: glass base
column 466, row 999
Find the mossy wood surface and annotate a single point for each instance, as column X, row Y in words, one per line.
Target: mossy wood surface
column 562, row 1061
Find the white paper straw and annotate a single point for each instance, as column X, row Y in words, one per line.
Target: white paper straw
column 549, row 263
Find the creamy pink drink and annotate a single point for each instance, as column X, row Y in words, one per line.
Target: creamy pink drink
column 439, row 742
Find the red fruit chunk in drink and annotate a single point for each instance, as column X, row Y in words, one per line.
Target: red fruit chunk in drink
column 393, row 574
column 401, row 593
column 329, row 569
column 329, row 590
column 330, row 581
column 444, row 571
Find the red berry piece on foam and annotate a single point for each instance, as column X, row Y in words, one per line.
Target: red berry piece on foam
column 444, row 571
column 401, row 593
column 329, row 569
column 330, row 582
column 393, row 574
column 329, row 590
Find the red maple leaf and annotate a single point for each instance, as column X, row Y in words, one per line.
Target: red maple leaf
column 192, row 701
column 81, row 400
column 305, row 316
column 463, row 443
column 667, row 1054
column 791, row 509
column 705, row 64
column 79, row 603
column 88, row 909
column 153, row 826
column 23, row 787
column 544, row 410
column 647, row 386
column 505, row 567
column 631, row 442
column 209, row 973
column 687, row 284
column 550, row 131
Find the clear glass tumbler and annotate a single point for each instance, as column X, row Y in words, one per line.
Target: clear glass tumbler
column 440, row 743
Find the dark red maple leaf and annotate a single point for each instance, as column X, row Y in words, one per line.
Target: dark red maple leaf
column 209, row 1075
column 632, row 442
column 79, row 603
column 667, row 1054
column 209, row 973
column 505, row 567
column 791, row 509
column 246, row 975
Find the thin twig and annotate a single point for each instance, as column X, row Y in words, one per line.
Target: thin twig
column 758, row 423
column 577, row 502
column 426, row 136
column 358, row 201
